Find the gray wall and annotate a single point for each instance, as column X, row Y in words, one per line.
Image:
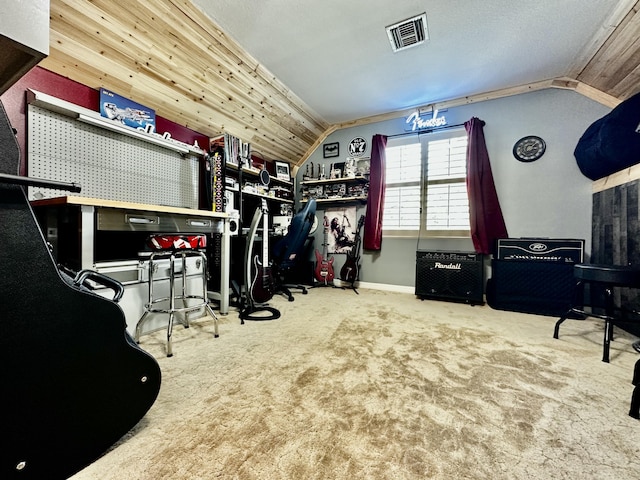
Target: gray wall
column 546, row 198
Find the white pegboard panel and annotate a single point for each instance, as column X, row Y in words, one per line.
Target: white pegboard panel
column 106, row 164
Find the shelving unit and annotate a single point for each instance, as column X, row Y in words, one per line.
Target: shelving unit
column 245, row 192
column 336, row 190
column 249, row 176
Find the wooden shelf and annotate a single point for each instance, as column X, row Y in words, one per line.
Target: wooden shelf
column 253, row 175
column 99, row 202
column 616, row 179
column 337, row 200
column 256, row 173
column 91, row 117
column 268, row 197
column 335, row 180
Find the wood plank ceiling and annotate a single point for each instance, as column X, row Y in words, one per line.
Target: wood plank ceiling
column 168, row 55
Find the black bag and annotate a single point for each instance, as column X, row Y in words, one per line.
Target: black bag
column 611, row 143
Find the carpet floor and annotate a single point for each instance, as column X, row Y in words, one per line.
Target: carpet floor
column 382, row 385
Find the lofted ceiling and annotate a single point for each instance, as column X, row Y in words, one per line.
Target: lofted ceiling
column 283, row 74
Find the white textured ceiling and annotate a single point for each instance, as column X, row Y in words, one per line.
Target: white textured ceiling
column 335, row 54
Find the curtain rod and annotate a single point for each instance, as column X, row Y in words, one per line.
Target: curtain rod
column 429, row 130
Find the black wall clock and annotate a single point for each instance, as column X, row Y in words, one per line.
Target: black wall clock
column 265, row 178
column 529, row 148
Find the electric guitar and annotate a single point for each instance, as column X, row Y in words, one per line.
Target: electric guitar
column 262, row 285
column 351, row 268
column 324, row 267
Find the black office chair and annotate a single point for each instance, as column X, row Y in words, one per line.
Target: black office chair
column 288, row 252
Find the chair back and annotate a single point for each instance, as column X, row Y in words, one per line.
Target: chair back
column 286, row 251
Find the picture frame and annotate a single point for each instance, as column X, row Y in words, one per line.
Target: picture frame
column 282, row 171
column 350, row 168
column 342, row 227
column 330, row 150
column 336, row 170
column 363, row 167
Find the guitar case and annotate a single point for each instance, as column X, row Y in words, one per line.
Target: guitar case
column 73, row 381
column 611, row 143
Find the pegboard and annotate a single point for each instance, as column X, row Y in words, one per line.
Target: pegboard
column 107, row 165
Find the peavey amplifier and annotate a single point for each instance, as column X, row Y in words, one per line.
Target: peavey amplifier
column 451, row 276
column 541, row 249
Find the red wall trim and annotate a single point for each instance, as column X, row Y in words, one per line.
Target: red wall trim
column 14, row 101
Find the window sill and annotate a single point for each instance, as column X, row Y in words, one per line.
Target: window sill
column 416, row 234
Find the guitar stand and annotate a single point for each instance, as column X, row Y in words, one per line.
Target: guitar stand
column 352, row 287
column 353, row 256
column 333, row 285
column 322, row 284
column 258, row 313
column 249, row 310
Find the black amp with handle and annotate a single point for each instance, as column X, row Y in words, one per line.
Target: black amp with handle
column 534, row 275
column 450, row 276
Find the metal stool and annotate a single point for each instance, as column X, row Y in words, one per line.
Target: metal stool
column 190, row 302
column 607, row 277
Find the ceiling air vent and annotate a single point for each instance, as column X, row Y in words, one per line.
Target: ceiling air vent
column 408, row 33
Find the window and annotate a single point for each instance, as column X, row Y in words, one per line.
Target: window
column 426, row 190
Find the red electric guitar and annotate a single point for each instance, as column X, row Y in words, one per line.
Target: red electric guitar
column 324, row 267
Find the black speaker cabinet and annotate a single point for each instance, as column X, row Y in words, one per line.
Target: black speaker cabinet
column 538, row 287
column 541, row 249
column 450, row 276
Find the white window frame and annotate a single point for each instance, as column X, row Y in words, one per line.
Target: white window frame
column 423, row 183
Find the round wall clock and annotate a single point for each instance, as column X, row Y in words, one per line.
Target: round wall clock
column 529, row 148
column 265, row 178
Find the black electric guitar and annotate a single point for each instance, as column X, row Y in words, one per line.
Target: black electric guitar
column 262, row 285
column 351, row 268
column 324, row 266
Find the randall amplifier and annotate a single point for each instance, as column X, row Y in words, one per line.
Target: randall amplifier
column 451, row 276
column 541, row 249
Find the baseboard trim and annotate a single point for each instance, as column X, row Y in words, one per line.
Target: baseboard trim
column 379, row 286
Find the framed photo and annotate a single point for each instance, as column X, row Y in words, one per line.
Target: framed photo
column 337, row 170
column 330, row 150
column 363, row 167
column 349, row 168
column 282, row 171
column 342, row 229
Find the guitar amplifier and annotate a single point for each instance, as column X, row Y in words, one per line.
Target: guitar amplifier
column 450, row 276
column 541, row 249
column 542, row 288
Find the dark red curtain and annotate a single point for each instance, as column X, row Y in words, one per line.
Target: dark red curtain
column 485, row 214
column 372, row 239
